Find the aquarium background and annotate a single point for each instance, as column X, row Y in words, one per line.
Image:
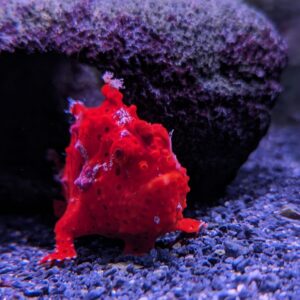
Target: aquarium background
column 286, row 16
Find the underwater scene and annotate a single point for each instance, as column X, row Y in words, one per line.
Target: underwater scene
column 150, row 150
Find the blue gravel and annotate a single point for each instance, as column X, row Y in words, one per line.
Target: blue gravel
column 250, row 250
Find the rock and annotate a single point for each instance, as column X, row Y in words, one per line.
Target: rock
column 178, row 292
column 95, row 294
column 269, row 284
column 258, row 247
column 33, row 292
column 240, row 267
column 110, row 272
column 233, row 249
column 209, row 70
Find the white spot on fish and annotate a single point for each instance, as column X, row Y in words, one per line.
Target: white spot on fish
column 124, row 133
column 96, row 168
column 72, row 103
column 178, row 166
column 123, row 117
column 72, row 200
column 87, row 177
column 106, row 166
column 170, row 137
column 179, row 207
column 79, row 147
column 108, row 77
column 156, row 220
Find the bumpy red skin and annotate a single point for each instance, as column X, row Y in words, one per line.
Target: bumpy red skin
column 121, row 180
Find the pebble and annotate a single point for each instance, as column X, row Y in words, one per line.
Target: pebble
column 178, row 292
column 110, row 272
column 243, row 264
column 233, row 249
column 33, row 292
column 290, row 212
column 95, row 294
column 269, row 283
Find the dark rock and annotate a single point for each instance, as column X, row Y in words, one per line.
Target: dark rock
column 258, row 247
column 213, row 260
column 207, row 69
column 119, row 282
column 130, row 269
column 146, row 286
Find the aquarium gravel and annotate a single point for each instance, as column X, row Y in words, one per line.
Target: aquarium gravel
column 250, row 250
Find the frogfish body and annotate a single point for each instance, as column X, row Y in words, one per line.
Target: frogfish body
column 121, row 178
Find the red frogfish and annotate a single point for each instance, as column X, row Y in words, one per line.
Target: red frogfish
column 121, row 178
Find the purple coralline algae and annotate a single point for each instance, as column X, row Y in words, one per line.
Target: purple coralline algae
column 208, row 70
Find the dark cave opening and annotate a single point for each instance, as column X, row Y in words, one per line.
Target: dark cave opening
column 34, row 126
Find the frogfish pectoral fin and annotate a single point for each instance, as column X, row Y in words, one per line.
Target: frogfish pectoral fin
column 190, row 225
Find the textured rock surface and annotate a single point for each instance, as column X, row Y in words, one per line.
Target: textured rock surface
column 249, row 251
column 207, row 69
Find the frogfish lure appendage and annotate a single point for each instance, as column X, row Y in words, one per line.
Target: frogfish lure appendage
column 108, row 78
column 121, row 178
